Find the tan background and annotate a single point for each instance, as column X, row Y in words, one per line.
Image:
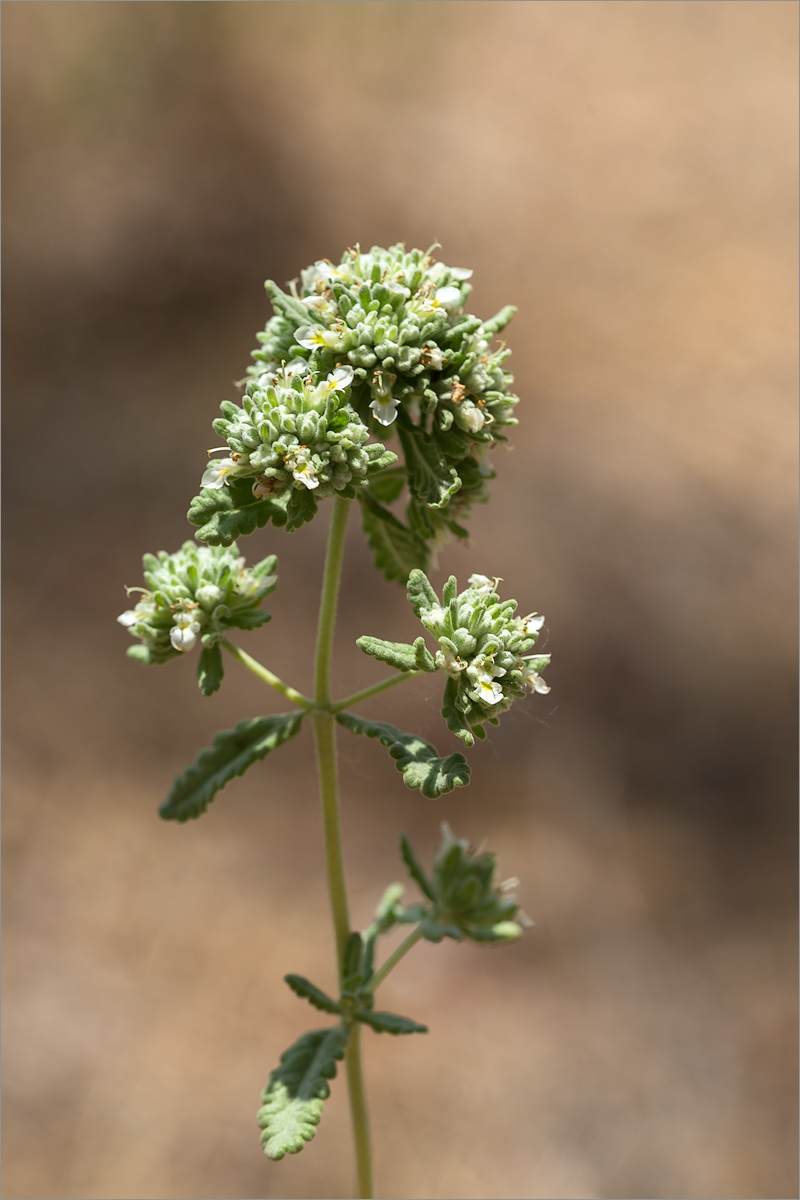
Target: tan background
column 626, row 174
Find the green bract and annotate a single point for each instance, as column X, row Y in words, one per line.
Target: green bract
column 482, row 647
column 465, row 900
column 197, row 592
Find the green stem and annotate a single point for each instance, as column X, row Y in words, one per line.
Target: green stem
column 374, row 689
column 393, row 959
column 267, row 676
column 325, row 736
column 358, row 1108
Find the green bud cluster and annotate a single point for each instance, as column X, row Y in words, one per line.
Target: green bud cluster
column 292, row 433
column 197, row 592
column 466, row 902
column 419, row 362
column 483, row 648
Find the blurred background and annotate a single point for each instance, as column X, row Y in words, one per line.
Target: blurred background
column 625, row 173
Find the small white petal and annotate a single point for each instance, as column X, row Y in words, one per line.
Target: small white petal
column 128, row 618
column 482, row 584
column 449, row 297
column 385, row 410
column 183, row 638
column 341, row 378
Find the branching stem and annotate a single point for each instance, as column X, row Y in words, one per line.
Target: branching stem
column 374, row 689
column 267, row 676
column 394, row 958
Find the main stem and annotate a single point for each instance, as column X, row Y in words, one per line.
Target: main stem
column 325, row 736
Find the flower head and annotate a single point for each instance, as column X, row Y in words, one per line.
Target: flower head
column 197, row 592
column 483, row 648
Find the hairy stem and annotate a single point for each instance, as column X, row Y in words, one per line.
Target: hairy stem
column 394, row 958
column 325, row 737
column 267, row 676
column 374, row 689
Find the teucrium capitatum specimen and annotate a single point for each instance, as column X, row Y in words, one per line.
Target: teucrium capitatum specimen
column 375, row 349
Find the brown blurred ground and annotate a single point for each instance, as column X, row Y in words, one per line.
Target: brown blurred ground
column 624, row 173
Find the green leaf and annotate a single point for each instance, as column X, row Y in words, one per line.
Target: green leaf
column 388, row 485
column 210, row 670
column 496, row 323
column 301, row 507
column 292, row 1102
column 399, row 654
column 414, row 869
column 429, row 476
column 395, row 549
column 248, row 618
column 421, row 595
column 417, row 759
column 230, row 754
column 386, row 1022
column 308, row 991
column 227, row 513
column 454, row 718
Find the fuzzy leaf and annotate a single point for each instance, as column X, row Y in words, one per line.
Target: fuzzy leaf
column 230, row 754
column 227, row 513
column 300, row 508
column 248, row 618
column 454, row 718
column 414, row 869
column 420, row 592
column 395, row 549
column 386, row 1022
column 429, row 476
column 210, row 670
column 387, row 486
column 399, row 654
column 292, row 1101
column 416, row 758
column 308, row 991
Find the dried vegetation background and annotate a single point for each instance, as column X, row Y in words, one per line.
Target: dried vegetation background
column 626, row 174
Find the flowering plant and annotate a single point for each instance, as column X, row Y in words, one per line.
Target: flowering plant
column 376, row 348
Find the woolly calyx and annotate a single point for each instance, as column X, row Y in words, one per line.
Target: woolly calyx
column 291, row 432
column 199, row 592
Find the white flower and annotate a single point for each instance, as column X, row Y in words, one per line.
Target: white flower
column 128, row 618
column 297, row 462
column 447, row 661
column 384, row 405
column 486, row 689
column 209, row 595
column 337, row 381
column 532, row 679
column 183, row 634
column 294, row 367
column 470, row 417
column 319, row 304
column 529, row 625
column 216, row 473
column 312, row 277
column 432, row 357
column 482, row 584
column 448, row 298
column 311, row 336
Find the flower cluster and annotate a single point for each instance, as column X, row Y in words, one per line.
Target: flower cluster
column 483, row 648
column 292, row 433
column 197, row 592
column 465, row 899
column 419, row 364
